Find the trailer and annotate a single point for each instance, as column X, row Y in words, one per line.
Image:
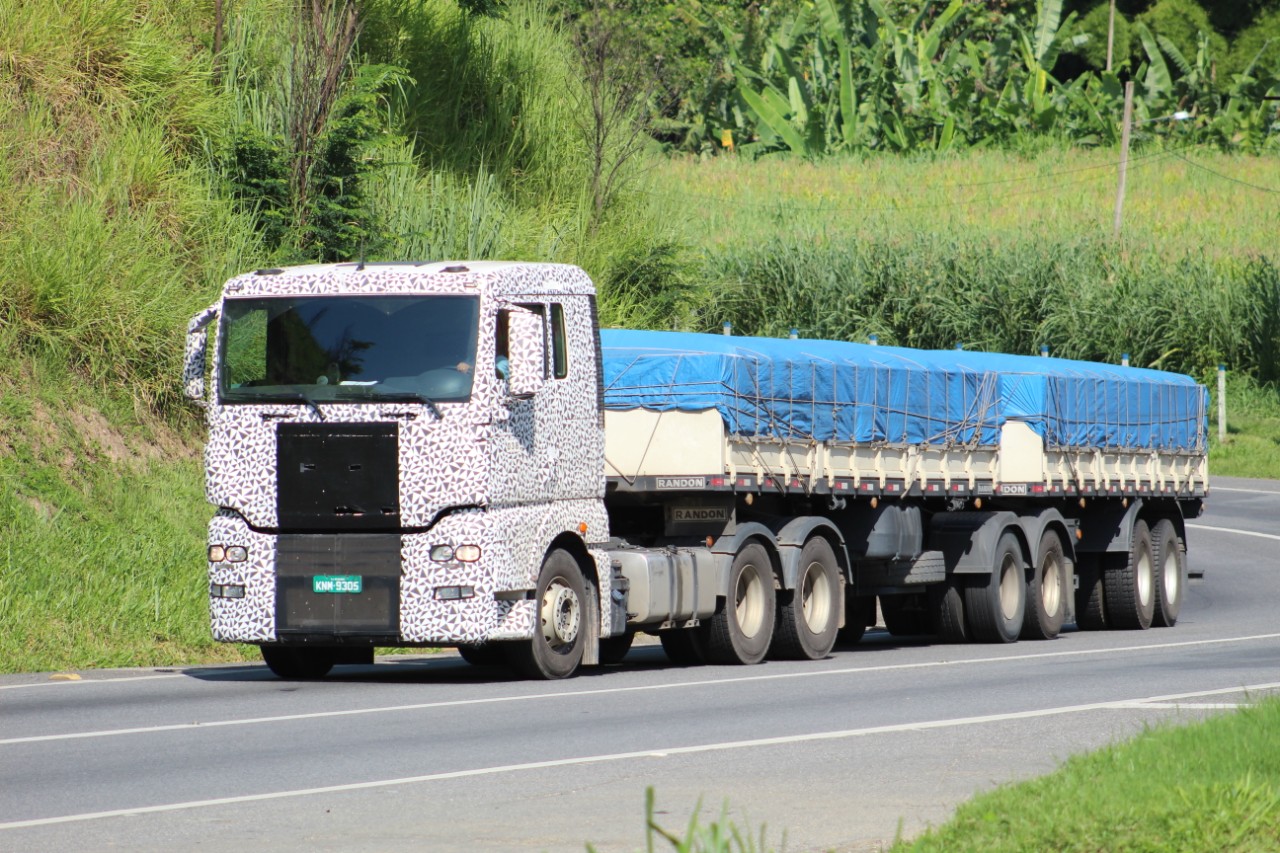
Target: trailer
column 454, row 454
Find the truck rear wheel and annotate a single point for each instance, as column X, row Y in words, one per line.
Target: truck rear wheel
column 1091, row 615
column 299, row 663
column 809, row 615
column 1046, row 586
column 995, row 605
column 1171, row 573
column 556, row 648
column 904, row 615
column 614, row 649
column 742, row 628
column 684, row 646
column 1129, row 583
column 946, row 601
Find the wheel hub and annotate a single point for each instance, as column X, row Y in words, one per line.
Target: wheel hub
column 561, row 614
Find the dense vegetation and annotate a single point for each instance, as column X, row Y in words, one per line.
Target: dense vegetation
column 152, row 149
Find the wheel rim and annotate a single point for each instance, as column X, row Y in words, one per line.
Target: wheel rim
column 815, row 598
column 561, row 614
column 1142, row 572
column 1172, row 578
column 1051, row 584
column 749, row 601
column 1009, row 586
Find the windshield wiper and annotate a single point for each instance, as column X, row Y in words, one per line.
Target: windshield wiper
column 303, row 398
column 411, row 396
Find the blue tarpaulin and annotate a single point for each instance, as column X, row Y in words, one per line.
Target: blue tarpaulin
column 836, row 391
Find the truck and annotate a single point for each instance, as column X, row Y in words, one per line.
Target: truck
column 454, row 454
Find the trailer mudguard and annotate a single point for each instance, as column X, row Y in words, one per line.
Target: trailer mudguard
column 727, row 546
column 1035, row 522
column 1107, row 526
column 791, row 538
column 968, row 540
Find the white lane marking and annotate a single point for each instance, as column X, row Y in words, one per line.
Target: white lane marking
column 1193, row 706
column 128, row 678
column 1233, row 530
column 603, row 691
column 660, row 752
column 1246, row 491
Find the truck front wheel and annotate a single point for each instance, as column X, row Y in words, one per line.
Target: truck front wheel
column 809, row 615
column 299, row 663
column 741, row 629
column 995, row 604
column 556, row 648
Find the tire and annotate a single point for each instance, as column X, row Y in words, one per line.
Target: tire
column 742, row 627
column 1170, row 561
column 946, row 604
column 904, row 616
column 559, row 635
column 1046, row 590
column 483, row 654
column 1129, row 583
column 614, row 649
column 809, row 615
column 859, row 614
column 1091, row 613
column 994, row 606
column 684, row 646
column 299, row 663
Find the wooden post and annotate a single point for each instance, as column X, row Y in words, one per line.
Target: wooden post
column 1124, row 155
column 1222, row 403
column 1111, row 33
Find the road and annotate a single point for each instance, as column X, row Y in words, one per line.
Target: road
column 430, row 753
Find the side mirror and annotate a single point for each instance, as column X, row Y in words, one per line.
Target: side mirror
column 193, row 365
column 527, row 351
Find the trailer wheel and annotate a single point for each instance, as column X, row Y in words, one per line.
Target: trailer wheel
column 1046, row 586
column 684, row 646
column 859, row 614
column 1171, row 573
column 742, row 627
column 809, row 615
column 299, row 663
column 556, row 648
column 483, row 654
column 1129, row 583
column 995, row 605
column 1091, row 614
column 946, row 601
column 904, row 616
column 614, row 649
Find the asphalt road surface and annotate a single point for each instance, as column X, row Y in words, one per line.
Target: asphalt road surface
column 428, row 753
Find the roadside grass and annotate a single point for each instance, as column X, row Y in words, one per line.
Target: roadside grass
column 1211, row 785
column 1252, row 446
column 1177, row 787
column 102, row 519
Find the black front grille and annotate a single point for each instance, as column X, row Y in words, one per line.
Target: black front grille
column 338, row 476
column 373, row 557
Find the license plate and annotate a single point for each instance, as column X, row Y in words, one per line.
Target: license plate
column 337, row 583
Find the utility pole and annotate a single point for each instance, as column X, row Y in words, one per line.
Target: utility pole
column 1124, row 155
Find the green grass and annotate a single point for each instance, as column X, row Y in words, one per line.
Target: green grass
column 1252, row 445
column 1213, row 785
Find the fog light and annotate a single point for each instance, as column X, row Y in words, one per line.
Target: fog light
column 453, row 593
column 217, row 553
column 229, row 590
column 237, row 554
column 442, row 553
column 467, row 553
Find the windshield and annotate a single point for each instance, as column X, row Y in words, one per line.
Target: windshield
column 348, row 348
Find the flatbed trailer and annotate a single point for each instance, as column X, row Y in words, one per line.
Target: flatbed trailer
column 455, row 454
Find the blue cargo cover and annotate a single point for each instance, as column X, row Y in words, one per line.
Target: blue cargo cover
column 837, row 391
